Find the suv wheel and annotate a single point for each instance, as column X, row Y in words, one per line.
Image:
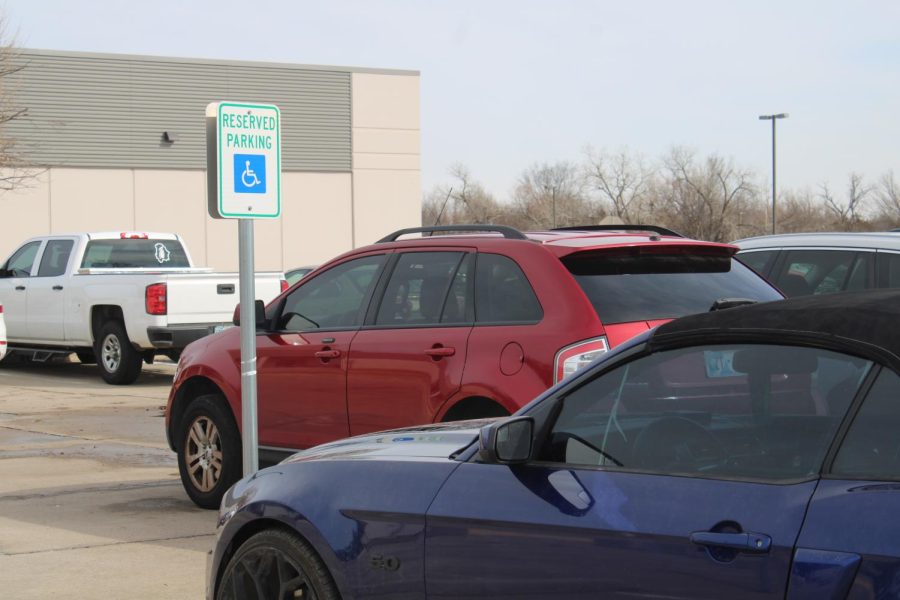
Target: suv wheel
column 120, row 363
column 209, row 451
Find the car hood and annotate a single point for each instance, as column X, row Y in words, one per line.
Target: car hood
column 427, row 441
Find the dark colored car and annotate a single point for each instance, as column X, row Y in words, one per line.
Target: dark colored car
column 751, row 452
column 438, row 328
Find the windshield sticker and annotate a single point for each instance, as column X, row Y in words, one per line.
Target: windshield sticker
column 162, row 253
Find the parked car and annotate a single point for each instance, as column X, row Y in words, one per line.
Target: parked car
column 295, row 275
column 115, row 298
column 438, row 328
column 2, row 334
column 802, row 264
column 745, row 453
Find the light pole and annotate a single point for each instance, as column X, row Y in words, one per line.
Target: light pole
column 773, row 118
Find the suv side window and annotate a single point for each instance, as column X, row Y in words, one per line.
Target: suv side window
column 888, row 269
column 22, row 261
column 871, row 449
column 418, row 289
column 332, row 300
column 55, row 258
column 503, row 293
column 758, row 260
column 807, row 272
column 757, row 412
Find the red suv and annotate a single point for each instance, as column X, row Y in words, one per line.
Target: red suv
column 437, row 328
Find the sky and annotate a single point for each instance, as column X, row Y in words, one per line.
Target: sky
column 506, row 84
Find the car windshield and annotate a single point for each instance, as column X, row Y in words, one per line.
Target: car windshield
column 134, row 254
column 630, row 286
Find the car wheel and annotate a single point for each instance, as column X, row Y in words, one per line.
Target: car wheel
column 120, row 363
column 209, row 451
column 276, row 564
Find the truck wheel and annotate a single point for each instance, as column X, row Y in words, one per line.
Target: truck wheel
column 120, row 363
column 209, row 451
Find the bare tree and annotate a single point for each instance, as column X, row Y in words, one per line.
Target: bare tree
column 463, row 201
column 621, row 180
column 887, row 195
column 848, row 213
column 702, row 198
column 15, row 169
column 553, row 195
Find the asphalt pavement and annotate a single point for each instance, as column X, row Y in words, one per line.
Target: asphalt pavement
column 91, row 505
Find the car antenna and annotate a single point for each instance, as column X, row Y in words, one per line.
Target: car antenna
column 443, row 206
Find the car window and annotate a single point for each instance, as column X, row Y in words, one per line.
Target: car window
column 889, row 270
column 625, row 286
column 758, row 260
column 333, row 299
column 503, row 293
column 871, row 449
column 418, row 288
column 759, row 412
column 813, row 272
column 22, row 261
column 460, row 305
column 134, row 254
column 55, row 258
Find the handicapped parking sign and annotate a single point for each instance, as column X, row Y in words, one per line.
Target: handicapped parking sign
column 250, row 173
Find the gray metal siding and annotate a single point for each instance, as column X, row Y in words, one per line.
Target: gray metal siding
column 109, row 111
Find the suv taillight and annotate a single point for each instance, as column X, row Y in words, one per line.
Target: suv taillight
column 577, row 356
column 284, row 285
column 155, row 299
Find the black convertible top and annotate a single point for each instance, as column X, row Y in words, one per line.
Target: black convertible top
column 864, row 323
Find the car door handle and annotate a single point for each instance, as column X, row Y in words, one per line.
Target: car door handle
column 20, row 288
column 325, row 354
column 57, row 287
column 440, row 351
column 753, row 543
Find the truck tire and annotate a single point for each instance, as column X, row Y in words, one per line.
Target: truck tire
column 209, row 450
column 119, row 362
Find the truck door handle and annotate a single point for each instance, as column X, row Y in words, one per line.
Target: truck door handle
column 751, row 543
column 326, row 354
column 20, row 288
column 440, row 351
column 57, row 287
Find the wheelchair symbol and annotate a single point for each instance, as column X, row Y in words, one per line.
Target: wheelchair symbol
column 248, row 177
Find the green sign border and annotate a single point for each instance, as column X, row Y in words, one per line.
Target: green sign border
column 277, row 158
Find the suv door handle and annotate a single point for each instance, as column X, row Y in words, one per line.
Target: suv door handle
column 752, row 543
column 326, row 354
column 20, row 288
column 440, row 351
column 57, row 287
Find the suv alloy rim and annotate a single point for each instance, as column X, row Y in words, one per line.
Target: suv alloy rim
column 111, row 353
column 203, row 454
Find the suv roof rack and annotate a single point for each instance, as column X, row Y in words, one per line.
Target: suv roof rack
column 650, row 228
column 508, row 232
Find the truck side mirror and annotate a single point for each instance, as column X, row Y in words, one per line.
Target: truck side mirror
column 261, row 322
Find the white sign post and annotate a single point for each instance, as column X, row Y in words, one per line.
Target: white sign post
column 243, row 162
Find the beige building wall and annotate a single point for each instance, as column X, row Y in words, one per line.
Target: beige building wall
column 387, row 184
column 323, row 214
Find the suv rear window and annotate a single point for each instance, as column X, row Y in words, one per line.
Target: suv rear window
column 134, row 254
column 630, row 286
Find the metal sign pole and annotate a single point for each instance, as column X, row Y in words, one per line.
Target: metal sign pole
column 248, row 347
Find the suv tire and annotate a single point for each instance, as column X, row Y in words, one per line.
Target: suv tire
column 120, row 363
column 209, row 450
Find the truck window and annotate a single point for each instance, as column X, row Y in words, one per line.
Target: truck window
column 21, row 263
column 55, row 258
column 134, row 254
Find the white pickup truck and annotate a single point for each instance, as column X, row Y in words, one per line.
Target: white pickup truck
column 115, row 298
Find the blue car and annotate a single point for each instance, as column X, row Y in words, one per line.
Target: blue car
column 751, row 452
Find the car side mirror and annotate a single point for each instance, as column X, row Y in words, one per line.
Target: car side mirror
column 5, row 273
column 509, row 441
column 261, row 322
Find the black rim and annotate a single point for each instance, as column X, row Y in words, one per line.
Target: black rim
column 267, row 574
